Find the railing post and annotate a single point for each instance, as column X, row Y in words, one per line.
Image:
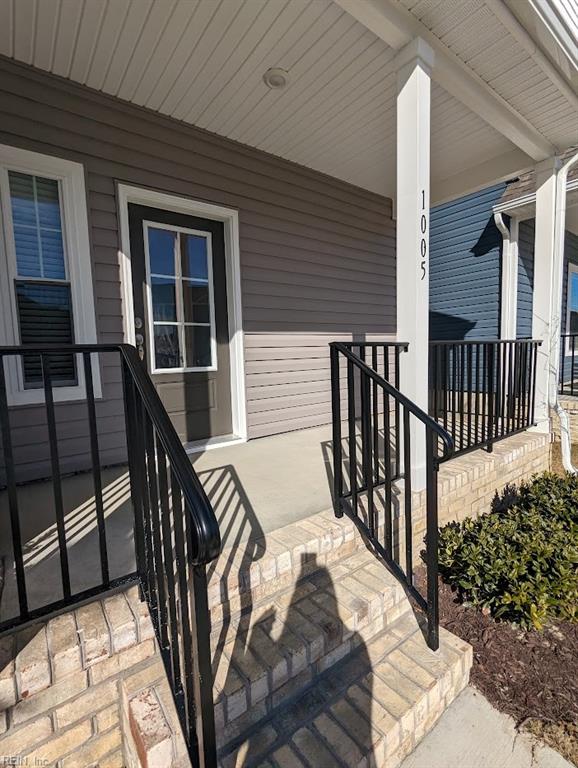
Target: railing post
column 491, row 398
column 432, row 540
column 367, row 464
column 203, row 718
column 133, row 470
column 336, row 425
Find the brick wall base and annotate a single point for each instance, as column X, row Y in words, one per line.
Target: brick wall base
column 570, row 405
column 70, row 689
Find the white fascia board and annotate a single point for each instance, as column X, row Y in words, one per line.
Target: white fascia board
column 396, row 26
column 560, row 25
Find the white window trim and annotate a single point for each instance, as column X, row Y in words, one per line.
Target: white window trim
column 572, row 268
column 142, row 196
column 70, row 176
column 178, row 294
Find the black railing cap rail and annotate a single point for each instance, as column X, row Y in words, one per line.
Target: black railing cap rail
column 484, row 341
column 208, row 537
column 401, row 398
column 386, row 343
column 567, row 335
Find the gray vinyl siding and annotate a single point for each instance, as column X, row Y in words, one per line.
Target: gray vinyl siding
column 317, row 254
column 465, row 265
column 526, row 235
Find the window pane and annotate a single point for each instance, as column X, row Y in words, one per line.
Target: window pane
column 167, row 352
column 37, row 226
column 198, row 344
column 27, row 251
column 22, row 198
column 194, row 257
column 573, row 323
column 164, row 301
column 45, row 317
column 48, row 201
column 52, row 254
column 196, row 302
column 573, row 291
column 161, row 251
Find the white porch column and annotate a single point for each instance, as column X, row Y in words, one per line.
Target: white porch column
column 547, row 289
column 414, row 64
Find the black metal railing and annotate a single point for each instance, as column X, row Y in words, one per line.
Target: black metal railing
column 568, row 376
column 175, row 530
column 364, row 438
column 383, row 357
column 482, row 391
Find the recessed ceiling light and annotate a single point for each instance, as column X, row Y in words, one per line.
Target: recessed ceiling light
column 276, row 78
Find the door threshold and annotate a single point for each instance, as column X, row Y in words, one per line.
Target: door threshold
column 198, row 446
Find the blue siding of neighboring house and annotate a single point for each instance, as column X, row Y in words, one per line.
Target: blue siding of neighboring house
column 465, row 266
column 525, row 279
column 570, row 256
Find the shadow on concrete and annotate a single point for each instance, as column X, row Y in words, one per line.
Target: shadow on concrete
column 241, row 529
column 40, row 543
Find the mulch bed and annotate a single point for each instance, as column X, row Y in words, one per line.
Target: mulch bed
column 531, row 676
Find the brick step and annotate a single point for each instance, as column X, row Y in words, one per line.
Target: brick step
column 251, row 570
column 279, row 644
column 369, row 709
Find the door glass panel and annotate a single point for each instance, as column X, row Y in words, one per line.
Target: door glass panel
column 194, row 257
column 196, row 302
column 163, row 291
column 167, row 350
column 198, row 346
column 180, row 299
column 161, row 251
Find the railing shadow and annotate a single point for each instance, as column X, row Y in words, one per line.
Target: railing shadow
column 241, row 531
column 40, row 543
column 273, row 627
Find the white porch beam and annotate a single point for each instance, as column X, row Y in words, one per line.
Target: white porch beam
column 414, row 65
column 476, row 177
column 397, row 26
column 546, row 306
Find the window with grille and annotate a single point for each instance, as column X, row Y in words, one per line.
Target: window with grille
column 41, row 285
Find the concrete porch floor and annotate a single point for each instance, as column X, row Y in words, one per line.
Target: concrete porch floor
column 254, row 487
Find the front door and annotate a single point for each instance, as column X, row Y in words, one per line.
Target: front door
column 181, row 320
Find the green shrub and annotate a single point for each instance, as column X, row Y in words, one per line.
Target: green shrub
column 520, row 561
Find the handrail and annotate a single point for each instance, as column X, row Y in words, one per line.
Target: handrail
column 175, row 529
column 418, row 412
column 383, row 445
column 203, row 516
column 444, row 342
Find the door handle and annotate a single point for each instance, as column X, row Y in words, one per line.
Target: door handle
column 139, row 341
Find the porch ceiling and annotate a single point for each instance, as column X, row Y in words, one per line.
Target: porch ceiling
column 202, row 61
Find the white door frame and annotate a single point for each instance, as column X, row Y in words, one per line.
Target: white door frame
column 230, row 218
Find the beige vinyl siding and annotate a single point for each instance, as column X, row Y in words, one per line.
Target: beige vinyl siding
column 317, row 254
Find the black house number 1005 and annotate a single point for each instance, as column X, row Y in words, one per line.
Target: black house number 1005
column 423, row 231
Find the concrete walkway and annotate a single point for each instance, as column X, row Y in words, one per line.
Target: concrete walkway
column 472, row 734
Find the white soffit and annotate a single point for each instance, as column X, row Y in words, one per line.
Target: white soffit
column 202, row 61
column 472, row 31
